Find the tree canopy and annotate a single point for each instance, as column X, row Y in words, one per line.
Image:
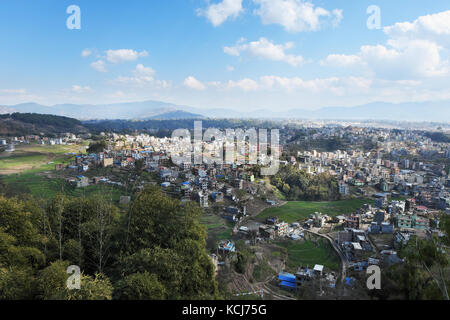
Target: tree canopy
column 156, row 250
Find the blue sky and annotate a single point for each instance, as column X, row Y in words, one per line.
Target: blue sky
column 237, row 54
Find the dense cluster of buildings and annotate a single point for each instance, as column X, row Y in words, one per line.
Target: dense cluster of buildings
column 400, row 162
column 401, row 171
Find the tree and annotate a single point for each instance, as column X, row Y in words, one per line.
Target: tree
column 17, row 221
column 16, row 283
column 51, row 281
column 432, row 254
column 57, row 220
column 98, row 233
column 299, row 185
column 425, row 261
column 92, row 288
column 155, row 251
column 139, row 166
column 52, row 285
column 97, row 147
column 140, row 286
column 164, row 236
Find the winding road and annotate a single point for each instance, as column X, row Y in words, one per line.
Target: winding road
column 344, row 261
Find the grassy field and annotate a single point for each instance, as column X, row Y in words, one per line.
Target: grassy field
column 20, row 171
column 262, row 271
column 35, row 158
column 42, row 187
column 309, row 253
column 300, row 210
column 216, row 228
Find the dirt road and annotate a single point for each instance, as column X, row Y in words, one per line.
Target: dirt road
column 344, row 261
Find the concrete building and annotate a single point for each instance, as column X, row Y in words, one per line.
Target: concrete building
column 380, row 216
column 404, row 221
column 281, row 229
column 82, row 182
column 387, row 227
column 108, row 162
column 344, row 189
column 203, row 199
column 352, row 222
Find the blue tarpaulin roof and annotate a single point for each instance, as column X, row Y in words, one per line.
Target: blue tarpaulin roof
column 349, row 281
column 286, row 277
column 287, row 284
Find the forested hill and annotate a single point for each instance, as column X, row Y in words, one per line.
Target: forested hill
column 31, row 123
column 166, row 126
column 438, row 136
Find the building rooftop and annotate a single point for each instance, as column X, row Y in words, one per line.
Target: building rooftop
column 318, row 268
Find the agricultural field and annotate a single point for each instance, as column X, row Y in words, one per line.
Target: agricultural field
column 35, row 158
column 309, row 253
column 295, row 211
column 40, row 186
column 217, row 229
column 28, row 170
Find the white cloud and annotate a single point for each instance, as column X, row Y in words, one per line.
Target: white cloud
column 398, row 60
column 264, row 84
column 86, row 53
column 143, row 77
column 218, row 13
column 265, row 49
column 143, row 71
column 99, row 66
column 244, row 84
column 15, row 96
column 338, row 16
column 192, row 83
column 429, row 27
column 334, row 85
column 414, row 50
column 341, row 60
column 412, row 59
column 81, row 89
column 230, row 68
column 141, row 82
column 13, row 91
column 295, row 15
column 123, row 55
column 404, row 60
column 117, row 95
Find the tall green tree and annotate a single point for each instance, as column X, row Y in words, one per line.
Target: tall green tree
column 164, row 235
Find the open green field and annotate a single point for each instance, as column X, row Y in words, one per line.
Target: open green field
column 217, row 229
column 20, row 172
column 300, row 210
column 262, row 271
column 309, row 253
column 42, row 187
column 35, row 158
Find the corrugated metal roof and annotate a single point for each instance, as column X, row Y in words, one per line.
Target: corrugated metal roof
column 356, row 246
column 318, row 267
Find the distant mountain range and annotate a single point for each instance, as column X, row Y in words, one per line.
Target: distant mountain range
column 147, row 110
column 132, row 110
column 178, row 114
